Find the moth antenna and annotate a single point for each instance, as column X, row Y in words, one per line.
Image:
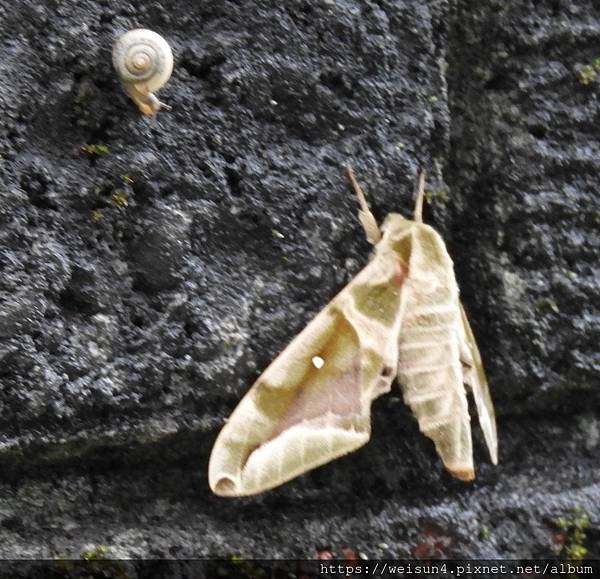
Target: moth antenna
column 366, row 217
column 420, row 195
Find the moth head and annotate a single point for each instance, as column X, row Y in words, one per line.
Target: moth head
column 396, row 230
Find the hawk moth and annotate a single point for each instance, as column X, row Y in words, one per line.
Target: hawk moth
column 399, row 317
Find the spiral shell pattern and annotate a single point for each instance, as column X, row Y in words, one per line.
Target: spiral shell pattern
column 142, row 57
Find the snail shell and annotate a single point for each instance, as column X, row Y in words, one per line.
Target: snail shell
column 144, row 62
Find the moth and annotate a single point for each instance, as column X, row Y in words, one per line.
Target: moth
column 401, row 316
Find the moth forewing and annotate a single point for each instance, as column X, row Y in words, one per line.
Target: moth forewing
column 312, row 404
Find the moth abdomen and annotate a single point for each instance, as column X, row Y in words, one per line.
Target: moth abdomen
column 429, row 368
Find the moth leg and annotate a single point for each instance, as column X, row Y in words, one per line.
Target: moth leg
column 367, row 219
column 420, row 194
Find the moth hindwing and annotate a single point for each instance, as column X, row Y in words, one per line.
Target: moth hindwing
column 400, row 316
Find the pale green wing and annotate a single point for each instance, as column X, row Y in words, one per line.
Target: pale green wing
column 474, row 376
column 313, row 403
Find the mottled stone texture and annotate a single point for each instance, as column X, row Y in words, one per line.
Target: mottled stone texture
column 142, row 290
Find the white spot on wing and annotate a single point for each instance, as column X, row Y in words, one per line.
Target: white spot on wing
column 318, row 362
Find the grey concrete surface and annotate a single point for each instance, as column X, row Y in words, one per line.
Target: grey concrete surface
column 143, row 290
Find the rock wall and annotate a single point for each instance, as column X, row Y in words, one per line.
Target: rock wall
column 146, row 282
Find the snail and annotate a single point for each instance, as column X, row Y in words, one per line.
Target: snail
column 144, row 62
